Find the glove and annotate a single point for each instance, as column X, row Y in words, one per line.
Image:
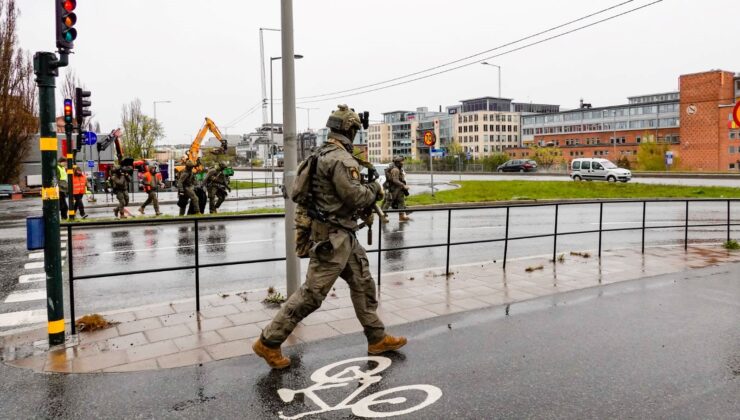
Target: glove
column 369, row 219
column 377, row 190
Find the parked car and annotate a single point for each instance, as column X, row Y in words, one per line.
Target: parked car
column 6, row 190
column 590, row 169
column 518, row 165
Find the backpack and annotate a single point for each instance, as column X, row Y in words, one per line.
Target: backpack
column 301, row 192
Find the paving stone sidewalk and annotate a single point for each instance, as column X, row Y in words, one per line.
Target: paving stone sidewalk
column 172, row 335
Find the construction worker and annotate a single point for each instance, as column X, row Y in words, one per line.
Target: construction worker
column 152, row 181
column 185, row 189
column 217, row 185
column 397, row 188
column 337, row 197
column 63, row 186
column 79, row 187
column 120, row 182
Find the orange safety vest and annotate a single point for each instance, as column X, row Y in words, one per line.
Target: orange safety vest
column 149, row 184
column 79, row 184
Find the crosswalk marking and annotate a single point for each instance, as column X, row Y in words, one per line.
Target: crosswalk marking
column 40, row 255
column 14, row 319
column 32, row 278
column 26, row 295
column 34, row 265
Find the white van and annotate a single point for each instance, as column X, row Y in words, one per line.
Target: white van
column 590, row 169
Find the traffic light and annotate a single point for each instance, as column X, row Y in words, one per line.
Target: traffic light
column 66, row 19
column 81, row 105
column 68, row 111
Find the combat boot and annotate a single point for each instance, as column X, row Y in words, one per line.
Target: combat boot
column 115, row 213
column 273, row 357
column 403, row 218
column 388, row 343
column 141, row 210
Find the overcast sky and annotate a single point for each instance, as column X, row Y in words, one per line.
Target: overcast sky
column 204, row 55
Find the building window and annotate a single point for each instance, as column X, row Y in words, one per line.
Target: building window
column 732, row 149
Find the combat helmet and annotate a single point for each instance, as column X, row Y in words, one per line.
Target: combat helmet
column 398, row 159
column 344, row 119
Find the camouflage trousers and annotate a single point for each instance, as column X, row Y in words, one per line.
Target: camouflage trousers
column 151, row 198
column 339, row 256
column 216, row 197
column 122, row 197
column 394, row 198
column 188, row 193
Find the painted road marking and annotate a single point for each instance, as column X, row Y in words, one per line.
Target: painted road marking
column 26, row 295
column 14, row 319
column 32, row 278
column 353, row 372
column 40, row 255
column 38, row 264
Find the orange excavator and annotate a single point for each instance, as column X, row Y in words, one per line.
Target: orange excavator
column 194, row 151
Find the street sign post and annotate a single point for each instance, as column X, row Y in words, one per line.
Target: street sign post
column 668, row 160
column 89, row 138
column 90, row 164
column 430, row 140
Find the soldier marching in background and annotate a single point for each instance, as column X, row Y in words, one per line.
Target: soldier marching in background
column 152, row 181
column 397, row 190
column 185, row 188
column 119, row 183
column 217, row 185
column 336, row 198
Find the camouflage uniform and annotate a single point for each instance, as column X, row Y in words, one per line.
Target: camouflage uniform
column 119, row 182
column 185, row 191
column 217, row 185
column 336, row 251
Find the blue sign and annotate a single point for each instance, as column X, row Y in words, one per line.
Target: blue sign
column 90, row 163
column 669, row 158
column 89, row 138
column 470, row 155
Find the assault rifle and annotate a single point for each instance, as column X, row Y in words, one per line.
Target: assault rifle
column 367, row 214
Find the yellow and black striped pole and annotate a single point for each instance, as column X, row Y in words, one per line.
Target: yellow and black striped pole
column 45, row 67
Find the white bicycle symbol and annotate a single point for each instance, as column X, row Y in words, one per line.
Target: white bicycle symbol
column 363, row 407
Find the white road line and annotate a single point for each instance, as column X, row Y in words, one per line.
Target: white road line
column 26, row 295
column 40, row 255
column 14, row 319
column 34, row 265
column 32, row 278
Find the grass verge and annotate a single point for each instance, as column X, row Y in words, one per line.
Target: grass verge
column 484, row 191
column 247, row 185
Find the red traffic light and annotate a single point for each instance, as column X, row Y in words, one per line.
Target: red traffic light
column 69, row 5
column 67, row 107
column 66, row 19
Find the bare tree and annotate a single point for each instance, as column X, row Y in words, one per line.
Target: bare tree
column 71, row 81
column 139, row 131
column 17, row 97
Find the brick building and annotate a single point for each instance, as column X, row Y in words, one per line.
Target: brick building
column 695, row 122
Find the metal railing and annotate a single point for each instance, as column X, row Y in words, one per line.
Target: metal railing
column 196, row 221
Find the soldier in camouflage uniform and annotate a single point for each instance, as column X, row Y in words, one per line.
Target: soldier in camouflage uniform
column 217, row 185
column 336, row 251
column 119, row 182
column 185, row 188
column 397, row 188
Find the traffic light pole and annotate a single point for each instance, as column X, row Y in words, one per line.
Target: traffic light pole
column 45, row 65
column 70, row 171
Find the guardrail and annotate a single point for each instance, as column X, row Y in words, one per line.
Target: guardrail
column 196, row 221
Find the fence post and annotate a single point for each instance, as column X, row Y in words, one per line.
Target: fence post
column 506, row 236
column 71, row 279
column 644, row 207
column 380, row 249
column 449, row 232
column 728, row 220
column 555, row 236
column 601, row 222
column 197, row 270
column 686, row 228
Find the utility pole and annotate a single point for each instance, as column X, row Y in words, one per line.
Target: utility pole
column 45, row 66
column 292, row 263
column 262, row 71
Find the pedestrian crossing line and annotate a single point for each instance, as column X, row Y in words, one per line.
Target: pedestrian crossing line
column 31, row 278
column 26, row 295
column 15, row 319
column 39, row 264
column 40, row 255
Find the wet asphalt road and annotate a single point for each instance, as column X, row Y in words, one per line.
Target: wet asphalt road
column 121, row 249
column 666, row 347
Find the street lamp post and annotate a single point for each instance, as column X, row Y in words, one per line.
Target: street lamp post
column 308, row 116
column 155, row 116
column 272, row 123
column 262, row 70
column 485, row 63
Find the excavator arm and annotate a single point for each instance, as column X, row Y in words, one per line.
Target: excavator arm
column 194, row 151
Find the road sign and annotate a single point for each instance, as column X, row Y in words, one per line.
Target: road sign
column 736, row 114
column 691, row 109
column 90, row 163
column 669, row 158
column 429, row 139
column 89, row 138
column 469, row 155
